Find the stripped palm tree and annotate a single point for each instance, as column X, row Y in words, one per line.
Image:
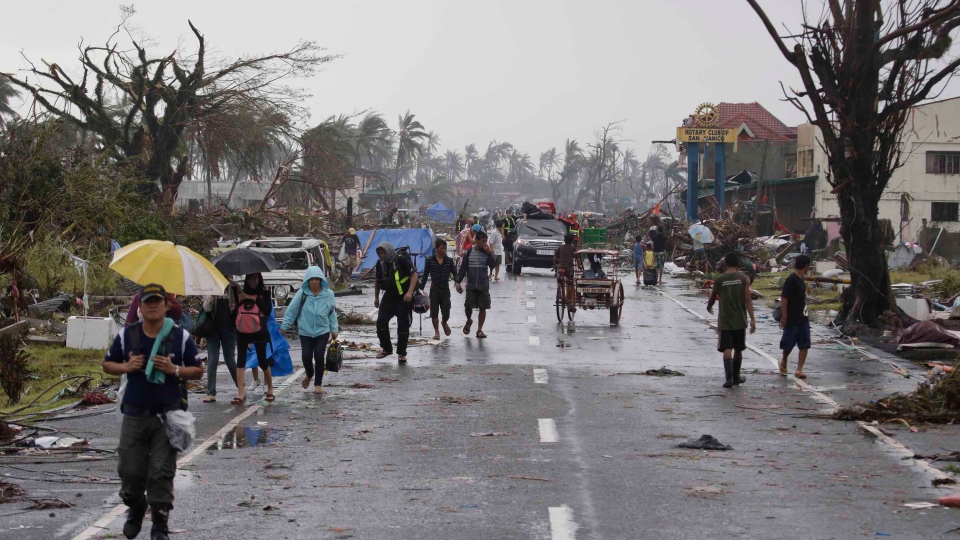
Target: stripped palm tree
column 410, row 138
column 430, row 145
column 470, row 158
column 372, row 143
column 453, row 165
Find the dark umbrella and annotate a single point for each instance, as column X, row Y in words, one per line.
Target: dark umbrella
column 239, row 262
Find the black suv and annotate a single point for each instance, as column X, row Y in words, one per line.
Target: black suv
column 536, row 242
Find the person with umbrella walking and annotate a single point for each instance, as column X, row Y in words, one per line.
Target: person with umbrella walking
column 314, row 311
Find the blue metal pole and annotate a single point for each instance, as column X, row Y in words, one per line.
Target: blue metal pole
column 720, row 176
column 693, row 181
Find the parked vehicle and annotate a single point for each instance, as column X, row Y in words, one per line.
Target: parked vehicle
column 537, row 241
column 295, row 255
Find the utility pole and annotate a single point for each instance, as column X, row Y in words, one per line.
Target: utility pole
column 760, row 180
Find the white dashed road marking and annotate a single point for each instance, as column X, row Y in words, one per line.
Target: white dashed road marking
column 529, row 282
column 529, row 293
column 562, row 526
column 535, row 340
column 532, row 319
column 540, row 376
column 548, row 430
column 530, row 305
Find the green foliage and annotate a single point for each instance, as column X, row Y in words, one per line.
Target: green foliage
column 13, row 368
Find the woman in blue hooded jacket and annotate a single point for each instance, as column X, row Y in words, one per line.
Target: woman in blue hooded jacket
column 314, row 311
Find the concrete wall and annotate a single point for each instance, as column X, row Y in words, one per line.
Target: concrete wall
column 931, row 127
column 781, row 159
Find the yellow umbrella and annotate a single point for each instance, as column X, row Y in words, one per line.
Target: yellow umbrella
column 180, row 270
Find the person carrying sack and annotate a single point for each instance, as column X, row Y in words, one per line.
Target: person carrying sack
column 397, row 278
column 314, row 311
column 157, row 357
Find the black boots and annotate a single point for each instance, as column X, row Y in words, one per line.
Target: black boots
column 737, row 378
column 131, row 528
column 728, row 372
column 160, row 530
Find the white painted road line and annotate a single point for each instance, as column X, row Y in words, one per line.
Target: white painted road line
column 531, row 319
column 540, row 376
column 530, row 305
column 529, row 293
column 562, row 526
column 104, row 522
column 535, row 340
column 895, row 446
column 548, row 430
column 529, row 282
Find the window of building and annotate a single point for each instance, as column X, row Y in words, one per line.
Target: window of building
column 944, row 211
column 943, row 162
column 805, row 162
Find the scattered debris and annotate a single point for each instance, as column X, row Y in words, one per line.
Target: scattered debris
column 705, row 442
column 936, row 400
column 490, row 434
column 10, row 492
column 944, row 482
column 362, row 386
column 530, row 478
column 458, row 400
column 96, row 397
column 48, row 504
column 663, row 372
column 59, row 442
column 920, row 505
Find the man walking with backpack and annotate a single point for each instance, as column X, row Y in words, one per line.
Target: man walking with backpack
column 732, row 288
column 157, row 357
column 397, row 278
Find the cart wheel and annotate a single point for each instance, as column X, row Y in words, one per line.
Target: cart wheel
column 616, row 304
column 561, row 305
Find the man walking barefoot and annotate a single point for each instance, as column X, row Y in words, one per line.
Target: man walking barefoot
column 732, row 288
column 439, row 268
column 477, row 263
column 793, row 317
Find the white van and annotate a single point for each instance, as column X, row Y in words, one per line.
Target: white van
column 294, row 254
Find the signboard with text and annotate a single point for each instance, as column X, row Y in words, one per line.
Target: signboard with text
column 706, row 135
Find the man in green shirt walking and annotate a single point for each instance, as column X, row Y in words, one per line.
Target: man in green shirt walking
column 732, row 288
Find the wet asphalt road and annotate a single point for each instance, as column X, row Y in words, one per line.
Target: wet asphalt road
column 541, row 431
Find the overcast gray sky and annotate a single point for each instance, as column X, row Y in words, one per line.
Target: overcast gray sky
column 532, row 72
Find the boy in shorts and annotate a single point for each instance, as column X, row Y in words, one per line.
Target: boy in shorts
column 732, row 288
column 476, row 266
column 793, row 317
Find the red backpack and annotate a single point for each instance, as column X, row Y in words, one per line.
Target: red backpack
column 249, row 318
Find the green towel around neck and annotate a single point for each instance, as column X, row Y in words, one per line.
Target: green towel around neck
column 155, row 375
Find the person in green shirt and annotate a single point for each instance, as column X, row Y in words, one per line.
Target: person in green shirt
column 732, row 288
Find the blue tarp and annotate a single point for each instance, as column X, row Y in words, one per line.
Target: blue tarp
column 278, row 350
column 420, row 242
column 441, row 213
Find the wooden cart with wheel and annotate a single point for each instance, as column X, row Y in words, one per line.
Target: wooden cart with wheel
column 596, row 287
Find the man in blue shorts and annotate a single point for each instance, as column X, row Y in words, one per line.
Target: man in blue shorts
column 793, row 316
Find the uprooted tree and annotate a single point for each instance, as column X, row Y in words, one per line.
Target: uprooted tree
column 141, row 105
column 864, row 64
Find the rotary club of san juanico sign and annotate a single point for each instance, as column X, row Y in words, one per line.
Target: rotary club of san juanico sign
column 707, row 117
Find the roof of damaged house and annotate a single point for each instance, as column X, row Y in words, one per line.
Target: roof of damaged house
column 756, row 122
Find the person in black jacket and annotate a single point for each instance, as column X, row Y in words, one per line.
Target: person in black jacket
column 255, row 292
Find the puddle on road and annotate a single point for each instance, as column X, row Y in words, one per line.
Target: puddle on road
column 249, row 437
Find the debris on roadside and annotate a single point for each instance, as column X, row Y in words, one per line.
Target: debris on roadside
column 705, row 442
column 48, row 504
column 663, row 372
column 490, row 434
column 458, row 400
column 936, row 400
column 10, row 492
column 96, row 397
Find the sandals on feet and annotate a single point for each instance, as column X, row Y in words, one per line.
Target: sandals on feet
column 238, row 400
column 446, row 328
column 210, row 399
column 383, row 354
column 402, row 359
column 270, row 398
column 480, row 334
column 800, row 375
column 783, row 367
column 466, row 327
column 436, row 337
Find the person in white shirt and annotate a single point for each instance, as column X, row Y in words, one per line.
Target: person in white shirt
column 496, row 241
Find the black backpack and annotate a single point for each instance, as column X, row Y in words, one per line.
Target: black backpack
column 165, row 347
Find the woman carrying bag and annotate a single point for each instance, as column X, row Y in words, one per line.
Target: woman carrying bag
column 222, row 336
column 314, row 312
